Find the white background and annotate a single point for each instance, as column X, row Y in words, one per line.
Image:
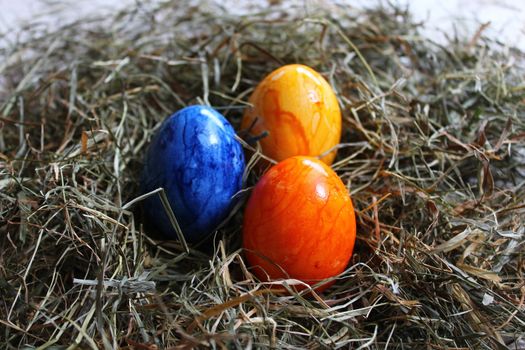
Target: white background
column 441, row 16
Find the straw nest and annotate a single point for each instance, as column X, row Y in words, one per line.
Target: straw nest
column 433, row 153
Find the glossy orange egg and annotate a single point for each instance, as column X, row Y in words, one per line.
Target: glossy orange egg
column 300, row 112
column 299, row 223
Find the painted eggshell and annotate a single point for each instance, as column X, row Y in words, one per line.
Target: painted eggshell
column 300, row 112
column 195, row 157
column 299, row 223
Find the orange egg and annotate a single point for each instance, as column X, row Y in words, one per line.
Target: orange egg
column 299, row 223
column 299, row 110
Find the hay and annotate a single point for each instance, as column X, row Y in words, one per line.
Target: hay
column 433, row 151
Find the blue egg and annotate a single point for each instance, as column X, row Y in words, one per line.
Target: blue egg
column 195, row 157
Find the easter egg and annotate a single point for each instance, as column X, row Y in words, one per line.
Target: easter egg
column 298, row 109
column 299, row 223
column 195, row 157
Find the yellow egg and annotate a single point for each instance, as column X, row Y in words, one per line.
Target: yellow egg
column 300, row 112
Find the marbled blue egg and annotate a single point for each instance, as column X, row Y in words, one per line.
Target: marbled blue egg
column 195, row 157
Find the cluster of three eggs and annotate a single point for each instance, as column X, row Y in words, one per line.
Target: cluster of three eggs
column 299, row 220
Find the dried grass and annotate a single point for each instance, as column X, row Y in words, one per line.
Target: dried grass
column 433, row 151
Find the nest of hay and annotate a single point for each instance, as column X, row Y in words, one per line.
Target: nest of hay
column 433, row 152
